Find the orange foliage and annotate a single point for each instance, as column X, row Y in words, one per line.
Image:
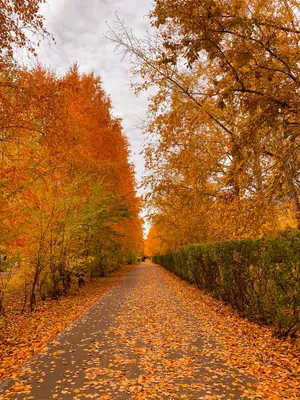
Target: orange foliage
column 153, row 244
column 222, row 148
column 17, row 19
column 67, row 187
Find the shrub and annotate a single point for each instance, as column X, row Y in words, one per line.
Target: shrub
column 260, row 278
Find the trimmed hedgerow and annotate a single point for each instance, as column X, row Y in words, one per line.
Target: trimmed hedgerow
column 260, row 278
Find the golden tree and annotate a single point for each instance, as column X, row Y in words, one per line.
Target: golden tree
column 224, row 122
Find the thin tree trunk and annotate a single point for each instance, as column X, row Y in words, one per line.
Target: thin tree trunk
column 32, row 295
column 296, row 202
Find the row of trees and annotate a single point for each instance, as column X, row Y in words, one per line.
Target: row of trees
column 68, row 205
column 223, row 145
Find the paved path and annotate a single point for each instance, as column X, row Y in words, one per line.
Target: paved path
column 137, row 342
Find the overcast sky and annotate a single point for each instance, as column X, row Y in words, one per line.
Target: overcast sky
column 79, row 28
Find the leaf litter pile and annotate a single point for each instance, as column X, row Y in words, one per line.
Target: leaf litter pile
column 156, row 337
column 23, row 335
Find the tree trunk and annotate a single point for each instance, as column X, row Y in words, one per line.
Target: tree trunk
column 32, row 295
column 296, row 202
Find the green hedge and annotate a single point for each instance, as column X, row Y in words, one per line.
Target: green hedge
column 260, row 278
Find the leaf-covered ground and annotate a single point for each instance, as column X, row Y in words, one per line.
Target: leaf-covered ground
column 156, row 337
column 23, row 335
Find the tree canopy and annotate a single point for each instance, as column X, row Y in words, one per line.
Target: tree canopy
column 223, row 124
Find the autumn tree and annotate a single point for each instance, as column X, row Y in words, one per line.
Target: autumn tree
column 252, row 49
column 69, row 206
column 224, row 121
column 153, row 244
column 20, row 25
